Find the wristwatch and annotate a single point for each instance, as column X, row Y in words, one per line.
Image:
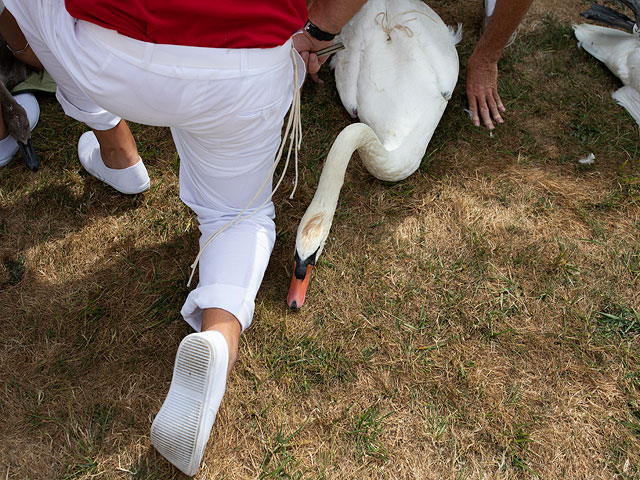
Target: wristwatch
column 317, row 33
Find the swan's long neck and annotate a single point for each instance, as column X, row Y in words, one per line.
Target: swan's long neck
column 316, row 222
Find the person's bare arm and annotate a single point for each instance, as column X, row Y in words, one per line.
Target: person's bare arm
column 330, row 16
column 482, row 69
column 17, row 42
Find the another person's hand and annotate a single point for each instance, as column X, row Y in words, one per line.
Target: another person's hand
column 27, row 56
column 306, row 45
column 16, row 40
column 482, row 91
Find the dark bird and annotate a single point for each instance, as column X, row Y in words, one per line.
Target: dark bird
column 613, row 18
column 13, row 72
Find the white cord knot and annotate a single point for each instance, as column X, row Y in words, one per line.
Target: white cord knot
column 385, row 22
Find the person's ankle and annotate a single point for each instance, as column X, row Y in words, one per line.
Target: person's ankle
column 232, row 344
column 117, row 146
column 117, row 158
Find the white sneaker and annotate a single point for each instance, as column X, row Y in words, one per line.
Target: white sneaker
column 182, row 427
column 130, row 180
column 8, row 145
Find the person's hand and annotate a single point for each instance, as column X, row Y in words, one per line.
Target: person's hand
column 305, row 44
column 482, row 92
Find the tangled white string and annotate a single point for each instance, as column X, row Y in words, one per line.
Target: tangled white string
column 385, row 22
column 294, row 131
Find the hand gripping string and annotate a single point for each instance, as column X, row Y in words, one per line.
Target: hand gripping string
column 295, row 140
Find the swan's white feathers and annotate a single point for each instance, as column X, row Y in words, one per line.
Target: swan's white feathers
column 629, row 98
column 609, row 45
column 394, row 117
column 396, row 74
column 620, row 52
column 389, row 47
column 456, row 34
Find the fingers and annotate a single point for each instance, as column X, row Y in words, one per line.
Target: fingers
column 314, row 63
column 486, row 107
column 306, row 46
column 493, row 109
column 482, row 91
column 473, row 107
column 499, row 102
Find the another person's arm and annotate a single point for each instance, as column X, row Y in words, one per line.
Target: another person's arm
column 15, row 39
column 482, row 68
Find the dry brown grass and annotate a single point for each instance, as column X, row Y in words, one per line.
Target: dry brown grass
column 476, row 321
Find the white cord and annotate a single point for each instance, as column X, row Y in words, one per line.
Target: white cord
column 295, row 141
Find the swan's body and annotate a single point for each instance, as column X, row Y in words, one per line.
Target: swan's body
column 620, row 52
column 397, row 74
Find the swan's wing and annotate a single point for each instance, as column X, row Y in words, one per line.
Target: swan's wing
column 430, row 34
column 407, row 68
column 355, row 37
column 612, row 47
column 396, row 85
column 629, row 98
column 381, row 21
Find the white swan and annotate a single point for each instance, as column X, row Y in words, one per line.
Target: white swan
column 397, row 74
column 618, row 50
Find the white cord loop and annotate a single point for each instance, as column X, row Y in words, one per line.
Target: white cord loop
column 385, row 22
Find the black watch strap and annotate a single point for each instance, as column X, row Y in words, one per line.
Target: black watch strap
column 318, row 33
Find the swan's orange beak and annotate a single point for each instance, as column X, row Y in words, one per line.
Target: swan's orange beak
column 298, row 288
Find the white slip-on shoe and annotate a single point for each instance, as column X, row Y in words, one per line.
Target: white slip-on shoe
column 182, row 427
column 8, row 145
column 130, row 180
column 8, row 149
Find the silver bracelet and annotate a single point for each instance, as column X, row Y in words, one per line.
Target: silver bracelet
column 18, row 52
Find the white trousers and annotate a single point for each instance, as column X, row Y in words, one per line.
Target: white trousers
column 225, row 108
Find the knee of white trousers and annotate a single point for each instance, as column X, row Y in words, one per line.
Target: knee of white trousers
column 97, row 118
column 236, row 300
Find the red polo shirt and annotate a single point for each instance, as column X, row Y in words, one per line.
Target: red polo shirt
column 201, row 23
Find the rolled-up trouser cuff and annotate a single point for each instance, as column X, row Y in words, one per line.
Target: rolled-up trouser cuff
column 98, row 120
column 235, row 300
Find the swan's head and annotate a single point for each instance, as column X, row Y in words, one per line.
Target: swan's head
column 312, row 233
column 19, row 126
column 300, row 280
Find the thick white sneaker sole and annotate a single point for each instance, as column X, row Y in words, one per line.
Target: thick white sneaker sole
column 182, row 427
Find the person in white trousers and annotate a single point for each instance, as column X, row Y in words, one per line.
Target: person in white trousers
column 225, row 108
